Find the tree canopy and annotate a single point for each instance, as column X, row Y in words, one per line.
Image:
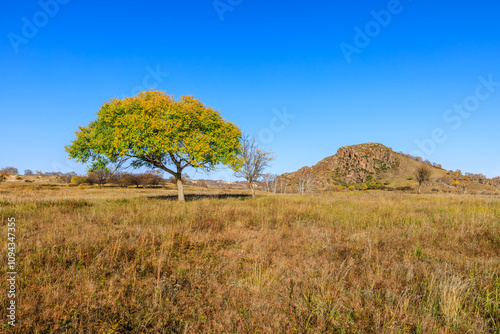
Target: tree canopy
column 154, row 130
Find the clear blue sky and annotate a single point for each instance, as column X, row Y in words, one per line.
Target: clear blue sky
column 252, row 58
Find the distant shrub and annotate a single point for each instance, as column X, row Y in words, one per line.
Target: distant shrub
column 405, row 188
column 128, row 179
column 18, row 177
column 351, row 187
column 28, row 172
column 363, row 187
column 66, row 178
column 374, row 185
column 434, row 189
column 78, row 180
column 410, row 178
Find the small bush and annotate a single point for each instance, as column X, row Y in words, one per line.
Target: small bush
column 78, row 180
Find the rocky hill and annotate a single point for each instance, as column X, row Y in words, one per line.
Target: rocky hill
column 369, row 164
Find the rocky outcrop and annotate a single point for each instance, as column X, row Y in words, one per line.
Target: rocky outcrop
column 351, row 164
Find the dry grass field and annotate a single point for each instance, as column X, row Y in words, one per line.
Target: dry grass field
column 119, row 261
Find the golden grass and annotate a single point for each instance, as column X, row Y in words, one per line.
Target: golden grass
column 365, row 262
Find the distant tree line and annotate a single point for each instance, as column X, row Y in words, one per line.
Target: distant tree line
column 101, row 177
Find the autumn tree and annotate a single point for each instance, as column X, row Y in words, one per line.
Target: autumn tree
column 269, row 181
column 154, row 130
column 99, row 176
column 422, row 174
column 254, row 162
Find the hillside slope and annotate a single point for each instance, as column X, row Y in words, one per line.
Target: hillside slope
column 370, row 163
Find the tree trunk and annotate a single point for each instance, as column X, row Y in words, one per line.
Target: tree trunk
column 253, row 190
column 419, row 186
column 180, row 190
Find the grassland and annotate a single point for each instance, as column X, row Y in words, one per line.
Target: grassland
column 117, row 261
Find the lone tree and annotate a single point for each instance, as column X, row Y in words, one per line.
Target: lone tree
column 9, row 170
column 99, row 176
column 255, row 161
column 422, row 174
column 154, row 130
